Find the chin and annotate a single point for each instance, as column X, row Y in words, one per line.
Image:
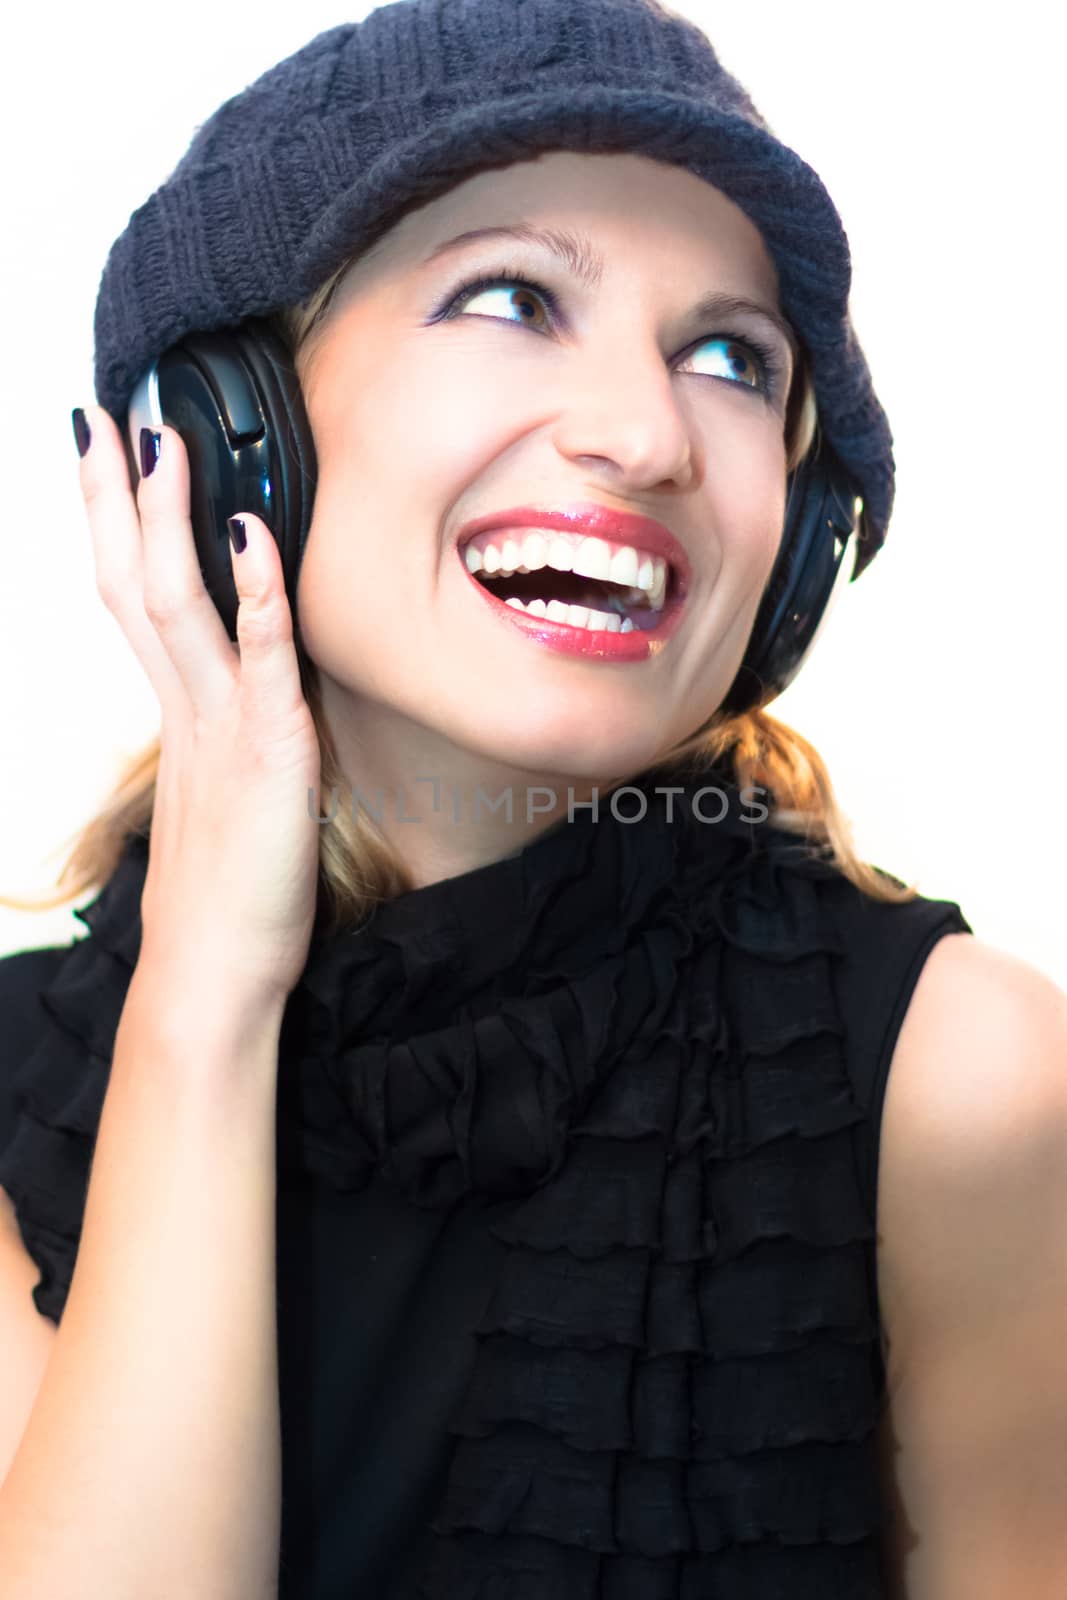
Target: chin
column 569, row 748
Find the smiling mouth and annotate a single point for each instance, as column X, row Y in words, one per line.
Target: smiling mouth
column 594, row 595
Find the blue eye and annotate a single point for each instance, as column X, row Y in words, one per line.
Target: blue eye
column 750, row 362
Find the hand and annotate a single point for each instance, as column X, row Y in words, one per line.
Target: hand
column 229, row 897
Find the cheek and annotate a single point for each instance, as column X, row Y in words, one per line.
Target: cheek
column 446, row 416
column 409, row 444
column 391, row 469
column 749, row 510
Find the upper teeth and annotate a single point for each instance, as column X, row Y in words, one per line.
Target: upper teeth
column 518, row 550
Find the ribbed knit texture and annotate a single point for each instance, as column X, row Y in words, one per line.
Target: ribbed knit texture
column 323, row 152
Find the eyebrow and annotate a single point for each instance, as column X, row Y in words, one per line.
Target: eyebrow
column 577, row 253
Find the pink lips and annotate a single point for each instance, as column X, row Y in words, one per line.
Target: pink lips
column 592, row 521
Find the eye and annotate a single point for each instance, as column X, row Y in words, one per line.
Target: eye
column 522, row 298
column 749, row 361
column 746, row 363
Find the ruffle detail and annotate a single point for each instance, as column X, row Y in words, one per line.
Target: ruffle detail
column 633, row 1031
column 677, row 1385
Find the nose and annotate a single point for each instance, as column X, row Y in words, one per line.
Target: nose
column 623, row 414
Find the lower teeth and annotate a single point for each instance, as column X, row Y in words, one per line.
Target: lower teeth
column 576, row 616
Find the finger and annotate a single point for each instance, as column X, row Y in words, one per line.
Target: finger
column 270, row 673
column 176, row 599
column 115, row 529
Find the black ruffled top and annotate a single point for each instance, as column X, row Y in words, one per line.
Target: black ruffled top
column 615, row 1062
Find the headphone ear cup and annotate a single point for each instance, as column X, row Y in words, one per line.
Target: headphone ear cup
column 234, row 397
column 816, row 558
column 293, row 460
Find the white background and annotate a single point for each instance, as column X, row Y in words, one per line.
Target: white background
column 936, row 692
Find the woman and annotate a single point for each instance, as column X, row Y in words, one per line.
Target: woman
column 430, row 1196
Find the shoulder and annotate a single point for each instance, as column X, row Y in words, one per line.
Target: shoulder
column 975, row 1109
column 972, row 1270
column 23, row 975
column 979, row 1071
column 20, row 968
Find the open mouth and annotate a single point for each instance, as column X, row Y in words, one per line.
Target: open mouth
column 588, row 600
column 549, row 587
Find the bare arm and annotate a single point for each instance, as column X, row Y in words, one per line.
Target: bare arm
column 973, row 1282
column 150, row 1464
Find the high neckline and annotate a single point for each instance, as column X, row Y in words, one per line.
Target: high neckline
column 454, row 1037
column 573, row 892
column 453, row 1040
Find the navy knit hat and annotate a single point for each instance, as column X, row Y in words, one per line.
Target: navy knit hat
column 325, row 151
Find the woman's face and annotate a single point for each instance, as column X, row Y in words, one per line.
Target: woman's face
column 607, row 390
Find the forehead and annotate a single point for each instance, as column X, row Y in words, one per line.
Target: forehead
column 615, row 201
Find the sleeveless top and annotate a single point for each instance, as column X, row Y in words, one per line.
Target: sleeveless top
column 577, row 1173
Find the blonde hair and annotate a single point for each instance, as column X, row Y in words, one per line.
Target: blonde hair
column 358, row 867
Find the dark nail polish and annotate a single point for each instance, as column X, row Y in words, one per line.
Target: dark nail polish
column 82, row 434
column 238, row 537
column 149, row 451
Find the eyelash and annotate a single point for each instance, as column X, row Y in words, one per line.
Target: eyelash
column 766, row 355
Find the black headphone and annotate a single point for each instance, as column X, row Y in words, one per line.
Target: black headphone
column 235, row 399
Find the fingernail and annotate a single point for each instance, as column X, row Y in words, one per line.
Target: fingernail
column 238, row 537
column 82, row 435
column 149, row 451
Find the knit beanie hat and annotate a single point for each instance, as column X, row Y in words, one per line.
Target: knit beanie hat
column 318, row 157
